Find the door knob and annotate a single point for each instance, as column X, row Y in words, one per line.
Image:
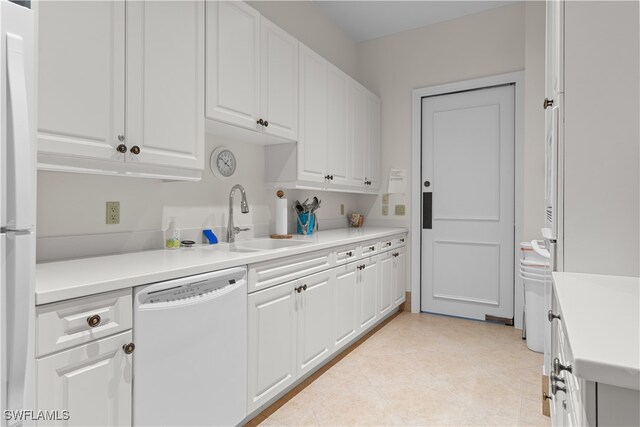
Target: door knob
column 135, row 150
column 121, row 148
column 94, row 320
column 427, row 184
column 128, row 348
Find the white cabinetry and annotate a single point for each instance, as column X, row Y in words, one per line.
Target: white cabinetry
column 368, row 292
column 110, row 98
column 251, row 74
column 399, row 273
column 84, row 359
column 385, row 282
column 346, row 305
column 272, row 342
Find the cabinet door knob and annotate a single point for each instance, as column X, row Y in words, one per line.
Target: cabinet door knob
column 94, row 320
column 121, row 138
column 545, row 396
column 128, row 348
column 327, row 177
column 121, row 148
column 331, row 177
column 547, row 103
column 260, row 122
column 135, row 150
column 556, row 378
column 556, row 388
column 427, row 184
column 298, row 289
column 373, row 248
column 551, row 316
column 304, row 287
column 349, row 253
column 266, row 124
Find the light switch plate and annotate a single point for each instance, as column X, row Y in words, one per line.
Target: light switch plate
column 341, row 208
column 385, row 199
column 400, row 210
column 113, row 213
column 385, row 210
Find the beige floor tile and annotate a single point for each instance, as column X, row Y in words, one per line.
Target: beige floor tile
column 426, row 370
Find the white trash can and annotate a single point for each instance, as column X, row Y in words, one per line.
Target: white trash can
column 536, row 276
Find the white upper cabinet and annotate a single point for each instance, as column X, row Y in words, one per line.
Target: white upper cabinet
column 252, row 75
column 92, row 61
column 338, row 126
column 554, row 49
column 233, row 63
column 372, row 144
column 358, row 156
column 279, row 81
column 81, row 78
column 312, row 146
column 165, row 98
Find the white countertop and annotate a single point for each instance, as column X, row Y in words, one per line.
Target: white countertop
column 601, row 317
column 57, row 281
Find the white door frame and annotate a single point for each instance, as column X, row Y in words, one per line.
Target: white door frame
column 416, row 184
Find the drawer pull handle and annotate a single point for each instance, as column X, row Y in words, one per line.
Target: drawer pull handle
column 94, row 320
column 304, row 287
column 387, row 244
column 551, row 316
column 401, row 240
column 350, row 253
column 556, row 388
column 559, row 367
column 372, row 248
column 128, row 348
column 298, row 289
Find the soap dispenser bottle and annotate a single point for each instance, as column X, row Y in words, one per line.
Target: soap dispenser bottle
column 172, row 238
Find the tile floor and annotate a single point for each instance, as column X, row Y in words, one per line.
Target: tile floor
column 426, row 370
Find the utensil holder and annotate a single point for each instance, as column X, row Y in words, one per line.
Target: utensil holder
column 306, row 223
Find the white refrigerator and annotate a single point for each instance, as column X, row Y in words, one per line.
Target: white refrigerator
column 17, row 200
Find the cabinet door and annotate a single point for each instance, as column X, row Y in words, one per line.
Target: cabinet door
column 81, row 78
column 315, row 320
column 92, row 382
column 233, row 63
column 346, row 305
column 272, row 349
column 279, row 81
column 358, row 141
column 373, row 141
column 554, row 49
column 385, row 282
column 312, row 144
column 165, row 83
column 368, row 291
column 338, row 126
column 399, row 273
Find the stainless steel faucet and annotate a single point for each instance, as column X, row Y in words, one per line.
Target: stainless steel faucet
column 244, row 208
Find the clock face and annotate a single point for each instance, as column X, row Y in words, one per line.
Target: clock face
column 226, row 163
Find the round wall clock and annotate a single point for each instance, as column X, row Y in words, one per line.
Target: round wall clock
column 222, row 162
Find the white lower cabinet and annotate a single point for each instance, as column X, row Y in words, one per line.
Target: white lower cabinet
column 399, row 285
column 92, row 382
column 385, row 282
column 368, row 292
column 272, row 342
column 346, row 305
column 315, row 328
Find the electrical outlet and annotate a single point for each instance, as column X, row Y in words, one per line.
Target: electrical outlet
column 385, row 199
column 400, row 210
column 385, row 210
column 113, row 212
column 341, row 208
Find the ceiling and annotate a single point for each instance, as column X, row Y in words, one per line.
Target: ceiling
column 366, row 20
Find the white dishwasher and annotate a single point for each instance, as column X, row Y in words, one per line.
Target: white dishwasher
column 190, row 363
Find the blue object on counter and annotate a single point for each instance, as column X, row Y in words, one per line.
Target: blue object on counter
column 306, row 223
column 210, row 236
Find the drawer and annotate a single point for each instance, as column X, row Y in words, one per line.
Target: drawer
column 66, row 324
column 269, row 273
column 346, row 254
column 369, row 248
column 386, row 244
column 399, row 241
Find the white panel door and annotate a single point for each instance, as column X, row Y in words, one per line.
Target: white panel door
column 385, row 283
column 165, row 83
column 358, row 146
column 233, row 63
column 468, row 208
column 373, row 142
column 399, row 273
column 312, row 144
column 272, row 338
column 368, row 292
column 315, row 320
column 338, row 126
column 92, row 382
column 279, row 81
column 346, row 305
column 81, row 78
